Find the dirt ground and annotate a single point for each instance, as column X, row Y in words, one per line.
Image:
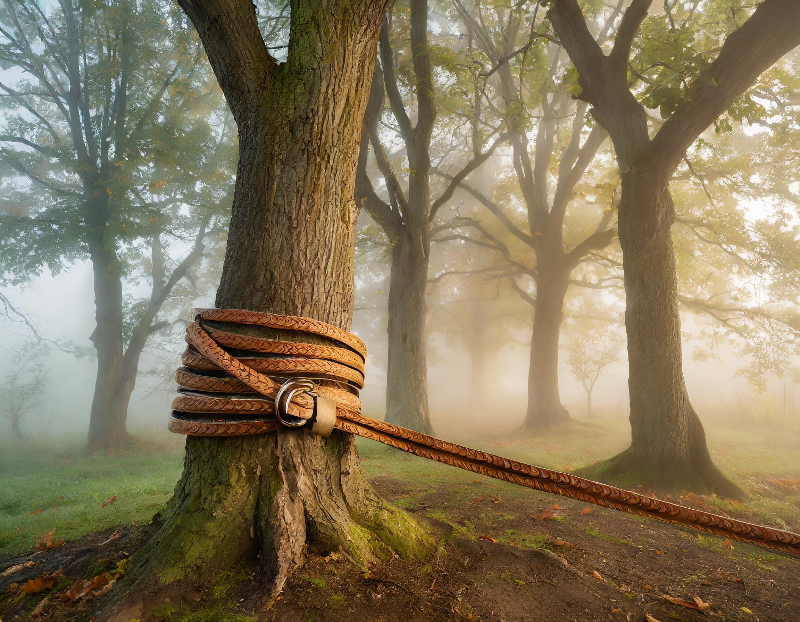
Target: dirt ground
column 516, row 555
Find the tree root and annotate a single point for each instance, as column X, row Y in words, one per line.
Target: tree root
column 254, row 505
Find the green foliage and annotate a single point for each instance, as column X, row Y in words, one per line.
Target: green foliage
column 114, row 138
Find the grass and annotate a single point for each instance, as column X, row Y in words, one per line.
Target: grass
column 70, row 488
column 45, row 487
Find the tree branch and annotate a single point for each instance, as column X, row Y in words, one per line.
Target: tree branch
column 459, row 177
column 234, row 46
column 771, row 31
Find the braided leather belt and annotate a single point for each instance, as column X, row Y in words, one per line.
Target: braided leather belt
column 238, row 385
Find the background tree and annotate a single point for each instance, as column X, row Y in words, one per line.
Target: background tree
column 542, row 235
column 406, row 75
column 21, row 393
column 668, row 443
column 262, row 500
column 109, row 151
column 589, row 354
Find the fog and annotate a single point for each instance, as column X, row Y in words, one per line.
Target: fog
column 61, row 306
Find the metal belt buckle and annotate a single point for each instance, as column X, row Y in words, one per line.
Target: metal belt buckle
column 284, row 397
column 324, row 417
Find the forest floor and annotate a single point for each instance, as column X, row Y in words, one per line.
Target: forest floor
column 507, row 553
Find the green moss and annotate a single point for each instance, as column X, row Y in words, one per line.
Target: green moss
column 594, row 533
column 316, row 581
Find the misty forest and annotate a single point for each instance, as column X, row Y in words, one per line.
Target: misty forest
column 414, row 310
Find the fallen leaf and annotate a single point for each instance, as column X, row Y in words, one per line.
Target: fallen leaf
column 80, row 589
column 555, row 507
column 9, row 571
column 746, row 610
column 487, row 538
column 36, row 511
column 558, row 542
column 616, row 610
column 785, row 484
column 496, row 500
column 477, row 481
column 114, row 536
column 122, row 565
column 546, row 515
column 40, row 584
column 597, row 575
column 586, row 511
column 46, row 542
column 651, row 618
column 728, row 543
column 39, row 609
column 108, row 501
column 105, row 589
column 659, row 552
column 701, row 605
column 697, row 604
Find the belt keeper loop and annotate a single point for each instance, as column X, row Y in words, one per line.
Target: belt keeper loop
column 324, row 416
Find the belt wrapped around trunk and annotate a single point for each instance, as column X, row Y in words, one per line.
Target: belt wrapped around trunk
column 232, row 384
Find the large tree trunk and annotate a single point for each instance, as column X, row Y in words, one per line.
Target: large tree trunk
column 407, row 372
column 107, row 425
column 544, row 401
column 257, row 502
column 668, row 444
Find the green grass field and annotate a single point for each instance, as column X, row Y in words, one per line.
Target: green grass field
column 45, row 486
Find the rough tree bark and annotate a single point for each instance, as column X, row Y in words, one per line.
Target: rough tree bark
column 259, row 502
column 668, row 445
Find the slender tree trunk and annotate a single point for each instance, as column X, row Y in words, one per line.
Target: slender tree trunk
column 544, row 401
column 107, row 424
column 407, row 373
column 258, row 502
column 589, row 404
column 16, row 429
column 477, row 354
column 668, row 444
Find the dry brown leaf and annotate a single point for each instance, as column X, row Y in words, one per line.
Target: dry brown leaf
column 786, row 483
column 40, row 608
column 108, row 501
column 586, row 511
column 40, row 584
column 496, row 500
column 597, row 575
column 46, row 542
column 555, row 507
column 9, row 571
column 487, row 538
column 651, row 618
column 689, row 604
column 36, row 511
column 546, row 515
column 701, row 604
column 80, row 589
column 114, row 537
column 728, row 543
